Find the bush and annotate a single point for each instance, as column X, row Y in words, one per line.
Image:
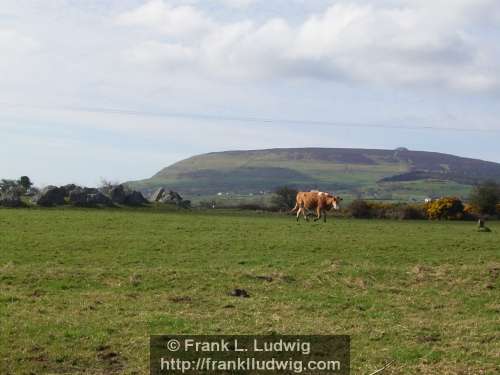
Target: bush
column 360, row 209
column 448, row 208
column 185, row 203
column 486, row 197
column 11, row 187
column 207, row 204
column 412, row 212
column 471, row 212
column 284, row 198
column 11, row 199
column 251, row 206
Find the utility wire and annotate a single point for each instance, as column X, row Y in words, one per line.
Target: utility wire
column 248, row 119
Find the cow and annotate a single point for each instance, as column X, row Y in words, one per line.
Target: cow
column 318, row 201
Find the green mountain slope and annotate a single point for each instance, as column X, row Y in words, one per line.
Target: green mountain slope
column 384, row 174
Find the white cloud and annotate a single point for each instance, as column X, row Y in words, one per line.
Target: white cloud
column 161, row 54
column 239, row 4
column 414, row 43
column 12, row 43
column 411, row 62
column 167, row 19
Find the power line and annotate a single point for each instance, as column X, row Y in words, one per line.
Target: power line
column 248, row 119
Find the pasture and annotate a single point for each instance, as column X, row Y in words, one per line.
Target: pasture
column 82, row 290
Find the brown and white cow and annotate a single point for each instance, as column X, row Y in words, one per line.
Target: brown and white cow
column 317, row 201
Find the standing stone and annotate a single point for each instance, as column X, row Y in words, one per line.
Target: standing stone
column 158, row 195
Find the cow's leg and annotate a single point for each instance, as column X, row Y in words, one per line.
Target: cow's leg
column 295, row 208
column 301, row 211
column 324, row 216
column 304, row 213
column 318, row 214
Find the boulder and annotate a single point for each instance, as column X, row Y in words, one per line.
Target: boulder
column 98, row 198
column 118, row 194
column 78, row 197
column 173, row 196
column 50, row 196
column 88, row 198
column 87, row 190
column 158, row 195
column 239, row 293
column 135, row 198
column 69, row 188
column 10, row 199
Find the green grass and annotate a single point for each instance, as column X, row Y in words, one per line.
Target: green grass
column 82, row 290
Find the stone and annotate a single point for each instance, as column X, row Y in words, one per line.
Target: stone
column 98, row 199
column 158, row 195
column 69, row 188
column 173, row 196
column 88, row 190
column 242, row 293
column 50, row 196
column 78, row 197
column 88, row 198
column 118, row 194
column 135, row 198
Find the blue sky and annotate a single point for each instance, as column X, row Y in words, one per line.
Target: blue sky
column 352, row 64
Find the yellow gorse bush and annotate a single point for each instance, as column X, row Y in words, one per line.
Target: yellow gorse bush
column 448, row 208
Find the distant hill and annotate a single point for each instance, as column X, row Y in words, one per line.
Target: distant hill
column 382, row 174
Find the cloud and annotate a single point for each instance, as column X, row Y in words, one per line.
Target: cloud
column 166, row 19
column 414, row 43
column 239, row 4
column 161, row 54
column 13, row 42
column 410, row 62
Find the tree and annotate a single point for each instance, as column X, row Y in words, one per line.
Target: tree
column 485, row 197
column 25, row 182
column 7, row 186
column 108, row 185
column 284, row 197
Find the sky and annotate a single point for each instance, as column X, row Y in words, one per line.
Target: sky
column 119, row 89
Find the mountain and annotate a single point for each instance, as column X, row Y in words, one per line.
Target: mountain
column 383, row 174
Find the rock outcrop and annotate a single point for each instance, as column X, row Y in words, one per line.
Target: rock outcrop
column 50, row 196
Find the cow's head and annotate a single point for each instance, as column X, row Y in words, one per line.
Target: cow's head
column 334, row 201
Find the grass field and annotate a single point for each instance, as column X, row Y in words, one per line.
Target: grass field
column 82, row 290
